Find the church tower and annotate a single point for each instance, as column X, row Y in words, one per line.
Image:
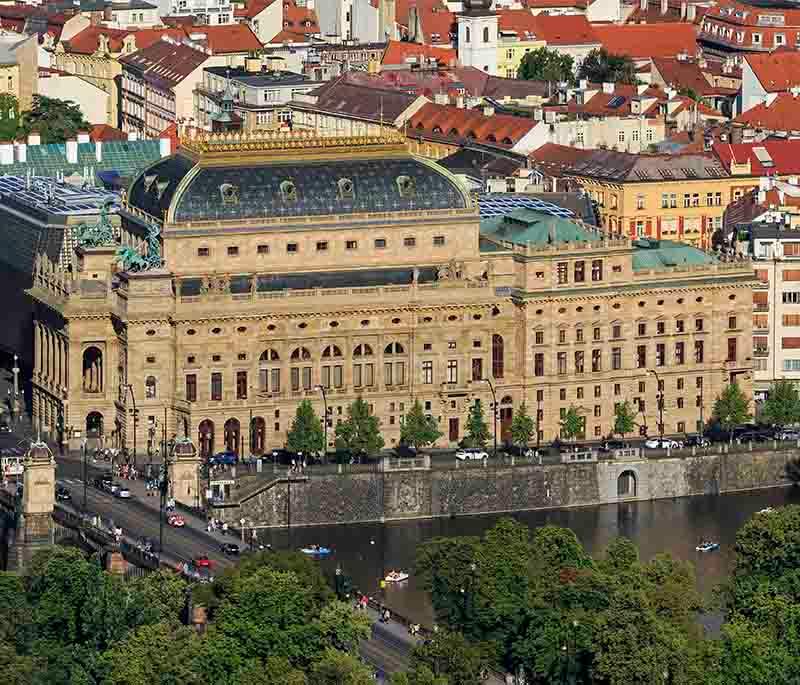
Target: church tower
column 477, row 36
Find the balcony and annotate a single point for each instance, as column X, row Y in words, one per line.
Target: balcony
column 761, row 351
column 760, row 307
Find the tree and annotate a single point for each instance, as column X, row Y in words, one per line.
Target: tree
column 360, row 432
column 342, row 627
column 782, row 407
column 730, row 408
column 522, row 427
column 419, row 430
column 306, row 434
column 477, row 430
column 543, row 64
column 600, row 66
column 624, row 418
column 450, row 654
column 55, row 120
column 9, row 116
column 572, row 425
column 338, row 668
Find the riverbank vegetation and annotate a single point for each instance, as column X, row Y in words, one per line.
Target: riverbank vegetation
column 535, row 604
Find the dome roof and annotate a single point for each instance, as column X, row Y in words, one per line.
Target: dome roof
column 296, row 181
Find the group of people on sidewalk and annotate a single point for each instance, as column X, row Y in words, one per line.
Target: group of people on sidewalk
column 215, row 525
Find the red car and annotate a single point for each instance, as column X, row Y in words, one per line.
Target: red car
column 202, row 561
column 176, row 521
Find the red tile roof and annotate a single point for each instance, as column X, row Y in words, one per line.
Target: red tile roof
column 224, row 39
column 438, row 23
column 545, row 4
column 557, row 159
column 640, row 41
column 455, row 122
column 520, row 22
column 166, row 63
column 104, row 132
column 776, row 71
column 397, row 52
column 683, row 73
column 87, row 42
column 568, row 29
column 785, row 156
column 782, row 114
column 299, row 19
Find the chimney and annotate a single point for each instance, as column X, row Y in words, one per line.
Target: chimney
column 72, row 151
column 608, row 88
column 22, row 151
column 664, row 6
column 441, row 98
column 34, row 138
column 6, row 152
column 133, row 135
column 164, row 147
column 460, row 102
column 83, row 137
column 691, row 13
column 98, row 150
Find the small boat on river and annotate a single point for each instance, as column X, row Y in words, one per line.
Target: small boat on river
column 316, row 551
column 396, row 576
column 707, row 546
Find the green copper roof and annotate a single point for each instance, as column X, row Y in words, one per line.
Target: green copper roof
column 538, row 228
column 664, row 254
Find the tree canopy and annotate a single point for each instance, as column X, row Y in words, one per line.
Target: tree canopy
column 544, row 64
column 572, row 424
column 731, row 408
column 782, row 406
column 600, row 66
column 306, row 434
column 523, row 426
column 55, row 120
column 477, row 430
column 360, row 432
column 624, row 418
column 419, row 430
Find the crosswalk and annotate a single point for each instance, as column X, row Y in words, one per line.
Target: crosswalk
column 71, row 481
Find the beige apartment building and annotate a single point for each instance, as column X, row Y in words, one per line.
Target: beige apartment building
column 292, row 261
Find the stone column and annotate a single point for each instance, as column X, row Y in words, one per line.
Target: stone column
column 37, row 348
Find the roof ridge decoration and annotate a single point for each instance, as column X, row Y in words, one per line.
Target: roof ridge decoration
column 282, row 140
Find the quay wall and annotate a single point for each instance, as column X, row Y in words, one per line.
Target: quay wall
column 334, row 498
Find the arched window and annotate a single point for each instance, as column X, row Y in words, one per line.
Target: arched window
column 232, row 435
column 394, row 348
column 258, row 435
column 205, row 438
column 94, row 424
column 491, row 138
column 453, row 131
column 269, row 371
column 331, row 351
column 466, row 35
column 301, row 354
column 362, row 351
column 150, row 388
column 507, row 141
column 498, row 361
column 485, row 34
column 92, row 370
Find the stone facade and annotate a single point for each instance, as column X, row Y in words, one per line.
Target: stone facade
column 392, row 496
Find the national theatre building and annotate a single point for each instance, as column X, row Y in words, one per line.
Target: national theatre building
column 247, row 271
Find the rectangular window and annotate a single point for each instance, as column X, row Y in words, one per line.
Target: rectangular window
column 351, row 245
column 438, row 240
column 338, row 376
column 216, row 386
column 616, row 331
column 598, row 410
column 579, row 335
column 262, row 249
column 597, row 270
column 597, row 361
column 203, row 251
column 640, row 202
column 275, row 380
column 357, row 374
column 616, row 358
column 562, row 272
column 387, row 373
column 579, row 394
column 191, row 387
column 664, row 201
column 477, row 369
column 538, row 364
column 291, row 247
column 698, row 351
column 380, row 243
column 680, row 325
column 399, row 373
column 306, row 378
column 326, row 377
column 642, row 329
column 369, row 375
column 409, row 242
column 680, row 353
column 661, row 327
column 241, row 385
column 539, row 337
column 580, row 271
column 617, row 388
column 562, row 394
column 641, row 356
column 427, row 372
column 661, row 354
column 732, row 350
column 579, row 362
column 452, row 371
column 322, row 246
column 295, row 378
column 596, row 333
column 687, row 200
column 732, row 323
column 598, row 391
column 562, row 363
column 698, row 325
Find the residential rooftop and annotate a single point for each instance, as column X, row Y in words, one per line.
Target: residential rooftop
column 259, row 79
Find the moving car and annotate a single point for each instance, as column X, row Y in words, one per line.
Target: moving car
column 62, row 494
column 176, row 521
column 788, row 434
column 696, row 441
column 123, row 492
column 662, row 443
column 471, row 453
column 229, row 549
column 5, row 428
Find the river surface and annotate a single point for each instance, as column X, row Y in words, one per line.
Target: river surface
column 367, row 552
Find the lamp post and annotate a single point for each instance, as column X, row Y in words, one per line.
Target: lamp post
column 660, row 400
column 129, row 388
column 494, row 411
column 15, row 371
column 164, row 485
column 539, row 414
column 324, row 421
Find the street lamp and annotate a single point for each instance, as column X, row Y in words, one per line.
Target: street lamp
column 660, row 400
column 129, row 388
column 494, row 411
column 325, row 421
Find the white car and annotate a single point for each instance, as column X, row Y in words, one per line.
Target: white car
column 662, row 443
column 788, row 434
column 123, row 493
column 471, row 453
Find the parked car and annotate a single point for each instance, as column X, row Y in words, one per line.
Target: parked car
column 112, row 487
column 662, row 443
column 788, row 434
column 5, row 428
column 229, row 549
column 123, row 492
column 176, row 521
column 761, row 435
column 696, row 441
column 284, row 456
column 471, row 453
column 405, row 451
column 223, row 459
column 519, row 451
column 611, row 445
column 62, row 494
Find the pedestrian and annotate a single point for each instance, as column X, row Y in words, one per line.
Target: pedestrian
column 225, row 528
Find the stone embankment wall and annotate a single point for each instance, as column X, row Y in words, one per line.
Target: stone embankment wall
column 376, row 496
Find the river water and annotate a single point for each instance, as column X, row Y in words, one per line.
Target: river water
column 367, row 552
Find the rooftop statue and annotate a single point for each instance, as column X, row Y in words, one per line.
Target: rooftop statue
column 100, row 233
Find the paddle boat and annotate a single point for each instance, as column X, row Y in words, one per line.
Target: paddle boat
column 396, row 576
column 707, row 546
column 316, row 550
column 768, row 510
